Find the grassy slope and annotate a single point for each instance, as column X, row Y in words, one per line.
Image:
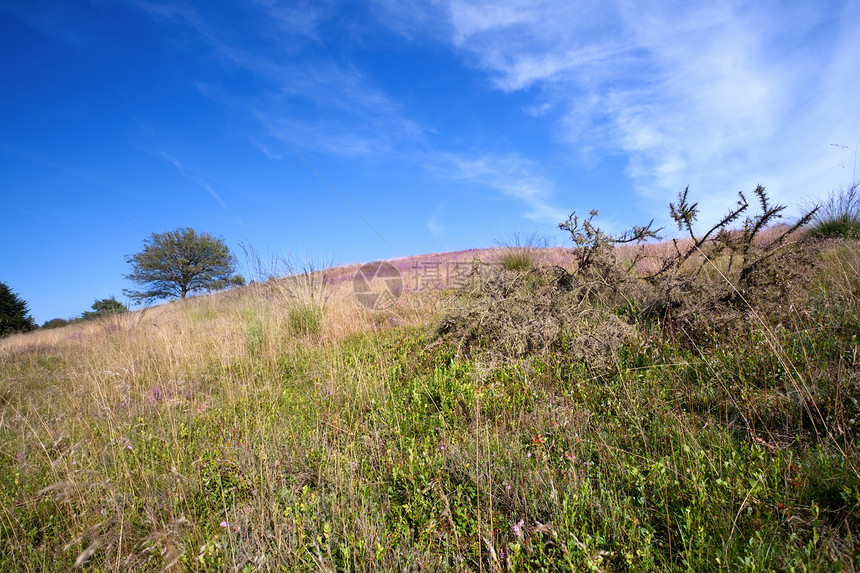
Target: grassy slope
column 225, row 433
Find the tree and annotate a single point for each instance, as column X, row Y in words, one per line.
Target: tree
column 14, row 313
column 175, row 263
column 55, row 323
column 105, row 307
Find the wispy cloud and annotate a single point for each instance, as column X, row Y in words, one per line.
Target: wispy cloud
column 434, row 221
column 717, row 95
column 199, row 181
column 512, row 175
column 316, row 102
column 268, row 152
column 342, row 113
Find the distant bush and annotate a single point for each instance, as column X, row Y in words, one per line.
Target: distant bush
column 105, row 307
column 55, row 323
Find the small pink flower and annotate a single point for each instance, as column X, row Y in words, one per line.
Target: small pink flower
column 518, row 531
column 223, row 523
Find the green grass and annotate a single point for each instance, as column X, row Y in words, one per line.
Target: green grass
column 838, row 216
column 306, row 319
column 520, row 252
column 843, row 226
column 516, row 260
column 223, row 439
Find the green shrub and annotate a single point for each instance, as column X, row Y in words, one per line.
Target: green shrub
column 105, row 307
column 305, row 319
column 839, row 215
column 518, row 252
column 55, row 323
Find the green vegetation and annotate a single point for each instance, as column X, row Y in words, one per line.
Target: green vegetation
column 55, row 323
column 520, row 253
column 14, row 312
column 175, row 263
column 693, row 405
column 105, row 307
column 839, row 215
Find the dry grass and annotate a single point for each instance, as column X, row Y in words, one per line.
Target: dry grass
column 214, row 434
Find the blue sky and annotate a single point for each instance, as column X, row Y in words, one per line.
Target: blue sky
column 123, row 118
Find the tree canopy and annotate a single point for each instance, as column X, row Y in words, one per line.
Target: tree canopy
column 105, row 307
column 175, row 263
column 14, row 313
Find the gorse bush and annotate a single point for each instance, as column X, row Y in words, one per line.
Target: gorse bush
column 721, row 278
column 707, row 284
column 730, row 325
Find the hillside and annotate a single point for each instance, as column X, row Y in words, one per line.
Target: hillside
column 543, row 415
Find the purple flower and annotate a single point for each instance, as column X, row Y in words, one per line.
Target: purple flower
column 517, row 528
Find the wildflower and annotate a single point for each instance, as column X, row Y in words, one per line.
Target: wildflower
column 223, row 523
column 517, row 528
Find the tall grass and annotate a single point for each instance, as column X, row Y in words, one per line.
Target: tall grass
column 520, row 252
column 839, row 214
column 211, row 434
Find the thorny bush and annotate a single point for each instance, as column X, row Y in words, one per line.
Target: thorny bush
column 717, row 282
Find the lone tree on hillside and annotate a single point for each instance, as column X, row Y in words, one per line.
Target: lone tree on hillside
column 175, row 263
column 14, row 313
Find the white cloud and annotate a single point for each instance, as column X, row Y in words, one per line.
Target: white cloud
column 719, row 96
column 434, row 221
column 269, row 153
column 517, row 178
column 314, row 101
column 199, row 181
